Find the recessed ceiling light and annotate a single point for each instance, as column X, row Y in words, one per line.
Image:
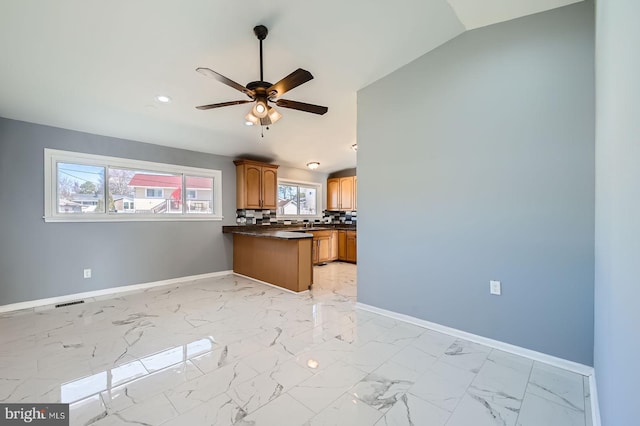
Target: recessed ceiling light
column 163, row 98
column 313, row 165
column 248, row 123
column 354, row 147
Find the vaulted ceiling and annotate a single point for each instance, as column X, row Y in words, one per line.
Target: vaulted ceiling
column 97, row 66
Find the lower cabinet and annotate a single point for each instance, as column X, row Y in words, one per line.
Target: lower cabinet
column 322, row 246
column 334, row 245
column 348, row 246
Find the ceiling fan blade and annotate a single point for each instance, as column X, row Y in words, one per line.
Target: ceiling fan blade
column 291, row 81
column 222, row 104
column 222, row 79
column 301, row 106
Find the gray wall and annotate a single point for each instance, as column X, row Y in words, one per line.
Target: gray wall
column 40, row 260
column 617, row 279
column 482, row 151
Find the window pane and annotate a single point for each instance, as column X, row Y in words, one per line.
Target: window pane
column 120, row 193
column 307, row 201
column 287, row 200
column 144, row 192
column 80, row 188
column 199, row 194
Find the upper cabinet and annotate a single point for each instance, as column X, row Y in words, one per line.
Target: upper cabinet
column 341, row 193
column 256, row 185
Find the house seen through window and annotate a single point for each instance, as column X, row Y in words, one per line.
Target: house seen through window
column 297, row 199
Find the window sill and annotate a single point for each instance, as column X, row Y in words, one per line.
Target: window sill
column 134, row 218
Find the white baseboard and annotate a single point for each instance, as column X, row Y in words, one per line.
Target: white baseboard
column 105, row 293
column 270, row 285
column 575, row 367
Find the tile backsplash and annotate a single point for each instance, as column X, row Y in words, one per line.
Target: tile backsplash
column 267, row 217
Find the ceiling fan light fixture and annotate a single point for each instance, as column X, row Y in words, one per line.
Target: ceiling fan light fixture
column 260, row 108
column 274, row 115
column 251, row 120
column 313, row 165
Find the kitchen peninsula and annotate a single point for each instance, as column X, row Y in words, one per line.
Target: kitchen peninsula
column 277, row 257
column 284, row 255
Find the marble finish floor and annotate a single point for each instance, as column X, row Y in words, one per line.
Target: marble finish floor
column 230, row 350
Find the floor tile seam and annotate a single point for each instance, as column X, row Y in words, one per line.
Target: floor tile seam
column 577, row 410
column 526, row 390
column 311, row 409
column 431, row 404
column 512, row 370
column 178, row 413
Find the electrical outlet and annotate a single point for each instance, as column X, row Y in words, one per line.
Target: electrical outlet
column 495, row 288
column 87, row 273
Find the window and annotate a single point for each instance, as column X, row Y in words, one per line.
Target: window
column 154, row 193
column 299, row 199
column 84, row 187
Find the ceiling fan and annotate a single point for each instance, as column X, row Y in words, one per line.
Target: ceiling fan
column 262, row 92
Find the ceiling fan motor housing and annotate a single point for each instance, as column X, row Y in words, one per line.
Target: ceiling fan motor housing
column 260, row 31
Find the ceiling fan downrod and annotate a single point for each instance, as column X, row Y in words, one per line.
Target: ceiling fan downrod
column 261, row 32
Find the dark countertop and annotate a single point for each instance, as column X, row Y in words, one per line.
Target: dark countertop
column 283, row 232
column 279, row 227
column 272, row 233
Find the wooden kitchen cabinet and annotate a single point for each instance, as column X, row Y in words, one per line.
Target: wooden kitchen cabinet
column 355, row 192
column 341, row 193
column 342, row 245
column 352, row 246
column 334, row 246
column 321, row 246
column 256, row 185
column 348, row 246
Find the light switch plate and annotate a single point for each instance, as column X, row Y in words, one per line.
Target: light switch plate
column 495, row 288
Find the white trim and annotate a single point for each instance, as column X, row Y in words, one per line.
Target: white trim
column 575, row 367
column 53, row 156
column 134, row 288
column 595, row 405
column 134, row 217
column 270, row 285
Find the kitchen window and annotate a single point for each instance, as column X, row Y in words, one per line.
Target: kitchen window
column 299, row 199
column 91, row 188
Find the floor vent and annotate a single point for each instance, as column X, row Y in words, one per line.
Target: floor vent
column 76, row 302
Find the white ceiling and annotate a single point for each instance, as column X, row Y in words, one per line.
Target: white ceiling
column 96, row 66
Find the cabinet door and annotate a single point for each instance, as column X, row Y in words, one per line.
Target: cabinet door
column 352, row 246
column 346, row 193
column 314, row 251
column 333, row 194
column 269, row 187
column 334, row 245
column 253, row 191
column 324, row 249
column 342, row 245
column 355, row 192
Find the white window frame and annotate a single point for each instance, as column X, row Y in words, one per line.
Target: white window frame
column 146, row 192
column 54, row 156
column 319, row 199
